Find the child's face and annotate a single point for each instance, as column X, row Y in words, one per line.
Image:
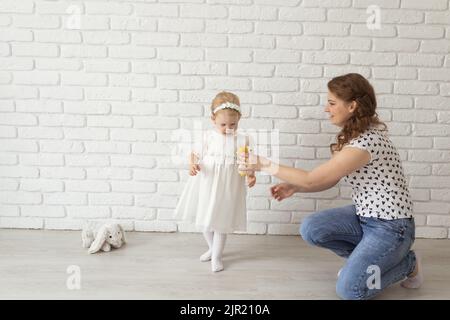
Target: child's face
column 226, row 120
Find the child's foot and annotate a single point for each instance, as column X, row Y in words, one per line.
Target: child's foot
column 216, row 265
column 206, row 256
column 415, row 279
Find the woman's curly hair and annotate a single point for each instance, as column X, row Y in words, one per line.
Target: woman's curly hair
column 354, row 87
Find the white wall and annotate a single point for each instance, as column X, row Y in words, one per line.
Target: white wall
column 87, row 114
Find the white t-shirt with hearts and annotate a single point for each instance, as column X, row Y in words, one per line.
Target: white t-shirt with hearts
column 379, row 189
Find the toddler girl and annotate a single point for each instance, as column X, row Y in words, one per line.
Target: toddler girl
column 215, row 195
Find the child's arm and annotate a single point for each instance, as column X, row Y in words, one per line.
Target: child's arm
column 251, row 179
column 193, row 158
column 247, row 147
column 194, row 167
column 251, row 176
column 199, row 149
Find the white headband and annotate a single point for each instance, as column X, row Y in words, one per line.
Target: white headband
column 227, row 105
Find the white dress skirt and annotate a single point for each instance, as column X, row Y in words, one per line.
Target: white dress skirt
column 215, row 199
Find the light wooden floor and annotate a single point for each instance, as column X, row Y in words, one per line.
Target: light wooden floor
column 33, row 265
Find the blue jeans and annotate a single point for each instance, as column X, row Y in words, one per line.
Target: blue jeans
column 377, row 250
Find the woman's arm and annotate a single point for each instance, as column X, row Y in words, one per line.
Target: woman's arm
column 322, row 177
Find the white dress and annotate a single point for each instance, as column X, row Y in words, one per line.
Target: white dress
column 215, row 199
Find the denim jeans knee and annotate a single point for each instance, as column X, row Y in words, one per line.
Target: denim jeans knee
column 348, row 289
column 305, row 230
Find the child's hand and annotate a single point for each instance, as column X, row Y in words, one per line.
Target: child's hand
column 251, row 180
column 194, row 169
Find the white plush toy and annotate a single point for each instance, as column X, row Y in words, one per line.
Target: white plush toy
column 102, row 237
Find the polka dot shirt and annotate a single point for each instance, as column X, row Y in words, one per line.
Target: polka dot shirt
column 379, row 188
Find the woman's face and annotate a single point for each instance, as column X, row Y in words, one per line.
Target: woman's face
column 226, row 120
column 339, row 110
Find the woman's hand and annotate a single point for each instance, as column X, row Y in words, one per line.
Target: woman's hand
column 282, row 191
column 252, row 162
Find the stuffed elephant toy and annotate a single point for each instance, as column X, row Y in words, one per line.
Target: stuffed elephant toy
column 103, row 237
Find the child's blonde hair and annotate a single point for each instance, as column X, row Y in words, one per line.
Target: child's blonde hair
column 223, row 97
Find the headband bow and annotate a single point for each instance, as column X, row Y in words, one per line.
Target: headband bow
column 227, row 105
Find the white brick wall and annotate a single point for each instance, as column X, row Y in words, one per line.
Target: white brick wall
column 91, row 92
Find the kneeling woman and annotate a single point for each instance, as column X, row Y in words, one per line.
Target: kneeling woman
column 376, row 232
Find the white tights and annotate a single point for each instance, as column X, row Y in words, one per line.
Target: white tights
column 216, row 244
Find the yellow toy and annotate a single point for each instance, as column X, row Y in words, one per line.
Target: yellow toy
column 244, row 150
